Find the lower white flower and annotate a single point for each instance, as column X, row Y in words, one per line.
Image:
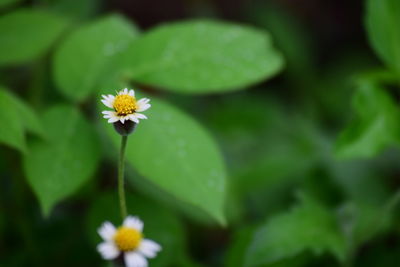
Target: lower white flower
column 128, row 240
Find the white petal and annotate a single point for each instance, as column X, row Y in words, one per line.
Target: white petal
column 108, row 250
column 140, row 116
column 107, row 103
column 133, row 259
column 108, row 100
column 143, row 107
column 107, row 97
column 133, row 222
column 149, row 248
column 133, row 118
column 107, row 231
column 132, row 92
column 113, row 119
column 143, row 101
column 122, row 119
column 111, row 115
column 108, row 114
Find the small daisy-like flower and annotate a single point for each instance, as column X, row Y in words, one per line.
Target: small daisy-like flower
column 127, row 241
column 125, row 106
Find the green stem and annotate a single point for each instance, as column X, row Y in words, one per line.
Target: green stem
column 121, row 165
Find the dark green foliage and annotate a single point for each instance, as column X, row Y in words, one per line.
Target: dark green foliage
column 266, row 143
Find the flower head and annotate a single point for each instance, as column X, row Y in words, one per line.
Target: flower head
column 127, row 241
column 125, row 106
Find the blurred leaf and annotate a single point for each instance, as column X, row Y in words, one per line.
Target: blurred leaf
column 59, row 166
column 363, row 221
column 202, row 57
column 296, row 149
column 382, row 20
column 290, row 36
column 368, row 193
column 26, row 35
column 161, row 226
column 360, row 181
column 176, row 153
column 88, row 54
column 16, row 118
column 336, row 82
column 12, row 131
column 308, row 226
column 73, row 8
column 29, row 118
column 376, row 127
column 237, row 249
column 263, row 139
column 6, row 3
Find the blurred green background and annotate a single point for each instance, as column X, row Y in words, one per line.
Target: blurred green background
column 272, row 139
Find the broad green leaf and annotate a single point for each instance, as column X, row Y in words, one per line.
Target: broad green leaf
column 202, row 57
column 12, row 131
column 376, row 126
column 16, row 119
column 162, row 226
column 307, row 227
column 29, row 118
column 89, row 53
column 382, row 20
column 6, row 3
column 58, row 166
column 175, row 153
column 26, row 35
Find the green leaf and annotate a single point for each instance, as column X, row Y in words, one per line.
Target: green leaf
column 382, row 20
column 308, row 226
column 376, row 127
column 16, row 118
column 88, row 54
column 60, row 165
column 12, row 132
column 202, row 57
column 177, row 154
column 29, row 118
column 162, row 226
column 26, row 35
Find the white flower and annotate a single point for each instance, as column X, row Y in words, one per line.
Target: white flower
column 128, row 240
column 125, row 106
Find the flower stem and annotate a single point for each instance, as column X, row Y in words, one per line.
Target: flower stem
column 121, row 167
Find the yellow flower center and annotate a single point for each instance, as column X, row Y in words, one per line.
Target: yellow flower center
column 127, row 239
column 124, row 104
